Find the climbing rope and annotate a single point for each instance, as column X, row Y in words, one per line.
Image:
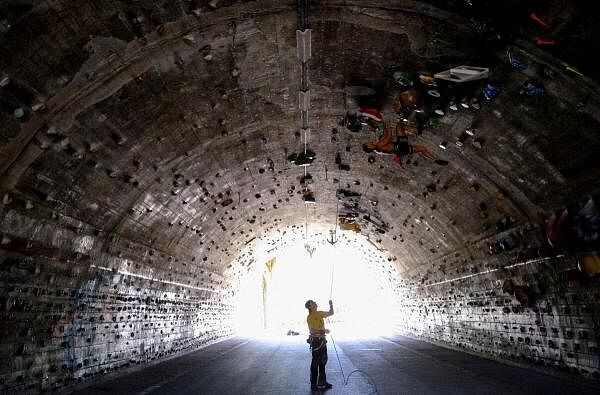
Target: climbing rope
column 302, row 11
column 344, row 377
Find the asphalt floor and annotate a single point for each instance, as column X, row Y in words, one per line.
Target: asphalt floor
column 390, row 365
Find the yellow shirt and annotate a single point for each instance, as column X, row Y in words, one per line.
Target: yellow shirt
column 315, row 320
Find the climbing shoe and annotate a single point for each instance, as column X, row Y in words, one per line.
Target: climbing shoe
column 441, row 162
column 325, row 386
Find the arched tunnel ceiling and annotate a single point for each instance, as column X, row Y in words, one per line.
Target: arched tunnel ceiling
column 169, row 126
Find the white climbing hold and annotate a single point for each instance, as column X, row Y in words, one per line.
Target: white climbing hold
column 208, row 57
column 214, row 3
column 463, row 74
column 93, row 146
column 28, row 205
column 38, row 106
column 19, row 113
column 433, row 93
column 52, row 130
column 6, row 199
column 43, row 141
column 5, row 240
column 5, row 80
column 235, row 72
column 189, row 39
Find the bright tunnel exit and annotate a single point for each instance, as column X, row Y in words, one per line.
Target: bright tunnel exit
column 288, row 270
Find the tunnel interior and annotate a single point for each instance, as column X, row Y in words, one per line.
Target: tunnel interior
column 150, row 151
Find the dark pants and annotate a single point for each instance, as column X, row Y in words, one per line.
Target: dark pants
column 319, row 359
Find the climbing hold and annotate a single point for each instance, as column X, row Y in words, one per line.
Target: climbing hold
column 572, row 69
column 40, row 105
column 491, row 90
column 309, row 198
column 367, row 113
column 189, row 39
column 433, row 93
column 531, row 88
column 539, row 20
column 589, row 264
column 463, row 74
column 516, row 63
column 409, row 100
column 403, row 79
column 452, row 105
column 427, row 79
column 307, row 179
column 544, row 42
column 504, row 223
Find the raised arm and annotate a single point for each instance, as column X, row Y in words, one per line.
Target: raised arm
column 330, row 312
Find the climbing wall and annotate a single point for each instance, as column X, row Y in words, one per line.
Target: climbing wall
column 554, row 325
column 73, row 309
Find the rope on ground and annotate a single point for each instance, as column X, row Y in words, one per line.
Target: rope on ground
column 347, row 378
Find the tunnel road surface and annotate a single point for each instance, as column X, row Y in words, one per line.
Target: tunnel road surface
column 392, row 365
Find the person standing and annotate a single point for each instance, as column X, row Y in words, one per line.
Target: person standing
column 318, row 344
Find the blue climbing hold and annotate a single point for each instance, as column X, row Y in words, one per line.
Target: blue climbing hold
column 516, row 63
column 491, row 90
column 531, row 88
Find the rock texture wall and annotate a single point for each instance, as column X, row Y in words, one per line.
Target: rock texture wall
column 556, row 326
column 73, row 308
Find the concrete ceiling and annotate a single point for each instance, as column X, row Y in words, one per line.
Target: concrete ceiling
column 169, row 125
